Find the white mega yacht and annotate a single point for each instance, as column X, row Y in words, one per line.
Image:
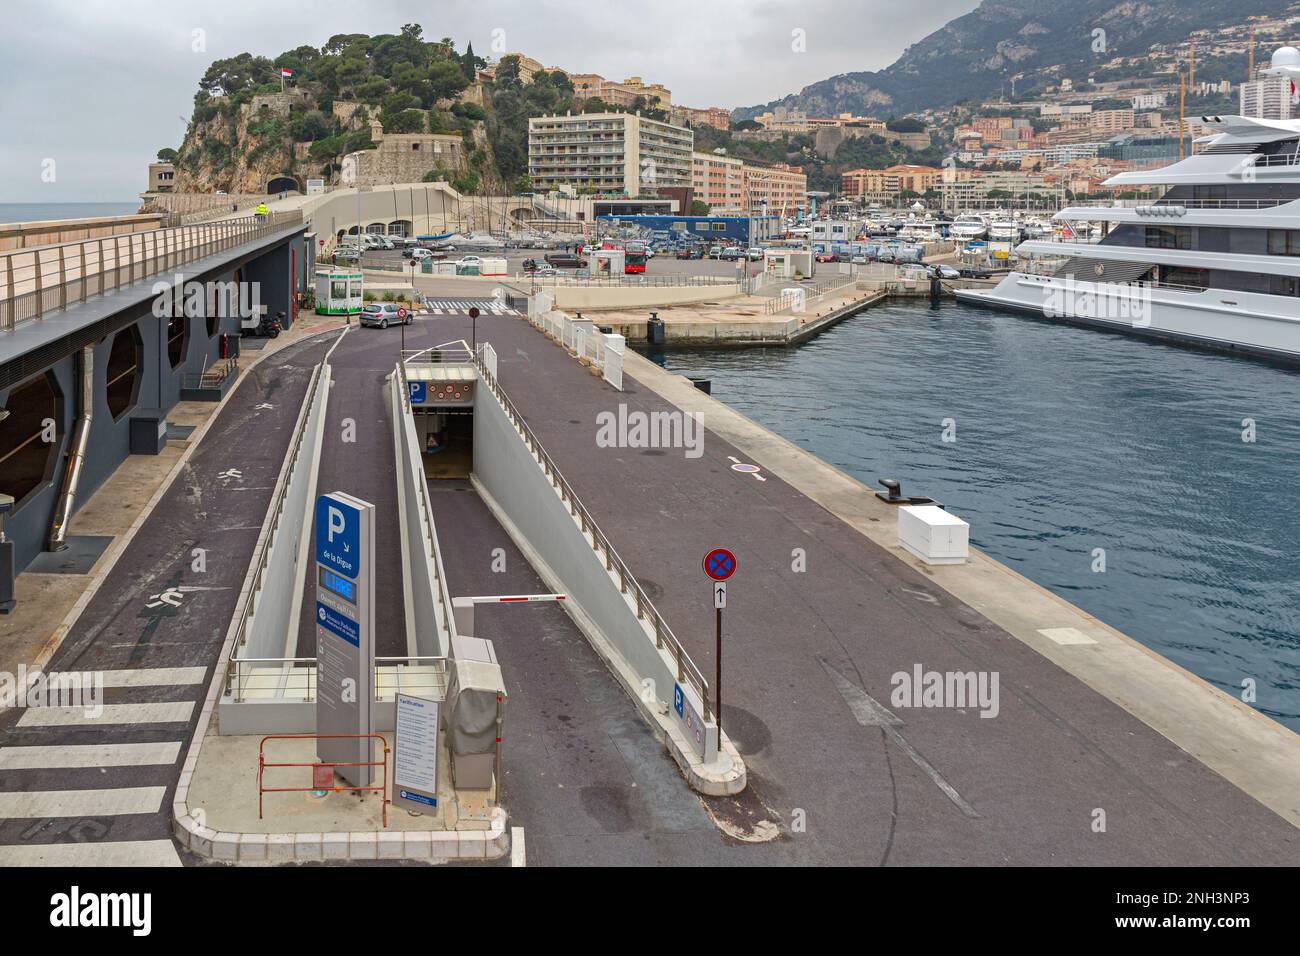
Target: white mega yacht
column 968, row 227
column 1215, row 261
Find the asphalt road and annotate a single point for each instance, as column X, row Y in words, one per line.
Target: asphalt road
column 945, row 785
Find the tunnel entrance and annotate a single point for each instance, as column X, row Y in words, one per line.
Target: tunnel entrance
column 447, row 441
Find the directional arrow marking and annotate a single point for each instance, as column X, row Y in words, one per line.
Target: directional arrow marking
column 869, row 712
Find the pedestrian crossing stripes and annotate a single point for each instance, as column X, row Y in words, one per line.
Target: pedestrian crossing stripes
column 42, row 804
column 174, row 712
column 126, row 853
column 461, row 306
column 88, row 755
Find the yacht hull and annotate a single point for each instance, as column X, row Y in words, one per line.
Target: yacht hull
column 1244, row 323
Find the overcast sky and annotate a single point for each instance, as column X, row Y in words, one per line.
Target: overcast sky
column 99, row 86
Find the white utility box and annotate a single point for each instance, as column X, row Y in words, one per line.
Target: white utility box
column 933, row 535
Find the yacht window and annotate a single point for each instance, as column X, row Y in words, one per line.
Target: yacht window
column 1284, row 242
column 1188, row 278
column 1169, row 237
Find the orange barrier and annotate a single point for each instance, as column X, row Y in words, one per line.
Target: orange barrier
column 317, row 765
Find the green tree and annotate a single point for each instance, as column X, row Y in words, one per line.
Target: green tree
column 167, row 155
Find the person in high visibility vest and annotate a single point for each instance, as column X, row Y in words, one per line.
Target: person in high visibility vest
column 262, row 211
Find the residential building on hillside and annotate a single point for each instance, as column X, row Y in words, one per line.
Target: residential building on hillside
column 609, row 152
column 776, row 188
column 719, row 180
column 1268, row 97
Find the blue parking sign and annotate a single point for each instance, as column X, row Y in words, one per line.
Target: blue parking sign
column 338, row 536
column 418, row 392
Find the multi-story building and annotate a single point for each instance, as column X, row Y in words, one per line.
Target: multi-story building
column 162, row 177
column 776, row 188
column 886, row 185
column 1149, row 101
column 1111, row 121
column 588, row 85
column 609, row 152
column 719, row 180
column 1268, row 97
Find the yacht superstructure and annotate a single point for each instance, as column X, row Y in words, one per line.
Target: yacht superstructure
column 967, row 228
column 1215, row 261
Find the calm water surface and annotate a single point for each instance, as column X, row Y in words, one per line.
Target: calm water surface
column 1070, row 440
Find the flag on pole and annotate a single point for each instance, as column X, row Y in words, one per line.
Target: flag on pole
column 1295, row 94
column 285, row 72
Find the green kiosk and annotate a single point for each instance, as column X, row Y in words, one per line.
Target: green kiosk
column 338, row 292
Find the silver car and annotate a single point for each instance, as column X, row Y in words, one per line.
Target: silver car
column 383, row 314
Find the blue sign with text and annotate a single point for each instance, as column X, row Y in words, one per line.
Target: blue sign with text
column 419, row 391
column 338, row 536
column 335, row 622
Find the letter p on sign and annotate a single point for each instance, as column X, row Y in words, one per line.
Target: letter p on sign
column 336, row 523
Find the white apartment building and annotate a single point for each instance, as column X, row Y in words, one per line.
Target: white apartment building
column 1149, row 101
column 608, row 152
column 1268, row 97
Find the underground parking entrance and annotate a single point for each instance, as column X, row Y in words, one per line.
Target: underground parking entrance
column 441, row 384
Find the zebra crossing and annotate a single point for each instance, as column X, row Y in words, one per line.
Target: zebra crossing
column 68, row 802
column 462, row 306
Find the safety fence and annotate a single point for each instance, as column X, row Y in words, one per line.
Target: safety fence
column 35, row 282
column 322, row 770
column 580, row 337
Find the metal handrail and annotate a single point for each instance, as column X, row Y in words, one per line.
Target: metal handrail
column 69, row 272
column 686, row 669
column 431, row 534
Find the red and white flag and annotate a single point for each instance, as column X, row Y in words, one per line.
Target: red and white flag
column 286, row 73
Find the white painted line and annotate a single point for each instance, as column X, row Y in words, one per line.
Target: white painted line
column 1066, row 635
column 517, row 856
column 88, row 755
column 176, row 712
column 40, row 804
column 131, row 853
column 155, row 677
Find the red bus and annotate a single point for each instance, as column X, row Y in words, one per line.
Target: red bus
column 634, row 257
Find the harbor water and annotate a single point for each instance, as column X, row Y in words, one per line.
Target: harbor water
column 1156, row 487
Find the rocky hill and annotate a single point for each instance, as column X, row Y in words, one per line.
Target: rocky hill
column 250, row 125
column 1037, row 41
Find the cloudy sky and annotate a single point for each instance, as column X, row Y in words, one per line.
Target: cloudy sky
column 98, row 86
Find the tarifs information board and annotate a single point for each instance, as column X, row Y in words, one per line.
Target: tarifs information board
column 415, row 757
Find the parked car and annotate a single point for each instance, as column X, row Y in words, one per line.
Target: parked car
column 715, row 252
column 347, row 254
column 731, row 254
column 565, row 260
column 947, row 272
column 859, row 260
column 754, row 254
column 976, row 272
column 469, row 261
column 826, row 257
column 383, row 314
column 690, row 254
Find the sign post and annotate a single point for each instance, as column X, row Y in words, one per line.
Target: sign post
column 719, row 564
column 473, row 325
column 345, row 624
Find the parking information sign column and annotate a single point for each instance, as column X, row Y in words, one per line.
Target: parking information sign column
column 345, row 625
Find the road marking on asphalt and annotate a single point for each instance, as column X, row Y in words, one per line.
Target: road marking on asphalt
column 175, row 712
column 40, row 804
column 155, row 677
column 1066, row 635
column 517, row 854
column 127, row 853
column 746, row 469
column 869, row 712
column 89, row 755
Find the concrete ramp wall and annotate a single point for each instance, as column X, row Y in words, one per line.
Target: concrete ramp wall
column 572, row 557
column 271, row 626
column 426, row 586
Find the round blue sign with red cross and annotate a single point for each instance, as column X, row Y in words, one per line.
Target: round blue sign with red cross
column 719, row 564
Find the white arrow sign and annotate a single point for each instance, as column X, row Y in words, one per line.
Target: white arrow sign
column 720, row 594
